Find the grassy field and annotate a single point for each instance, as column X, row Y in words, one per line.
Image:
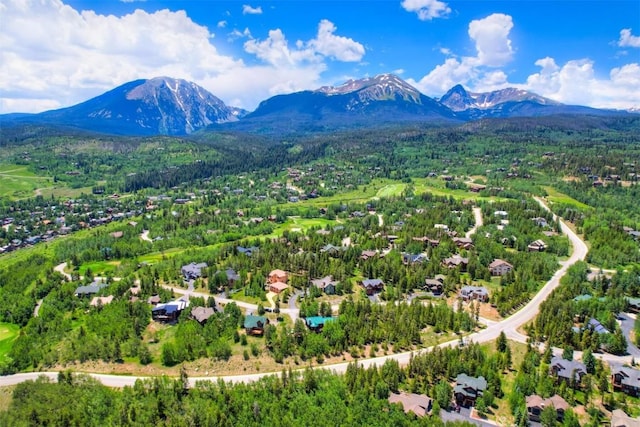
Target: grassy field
column 8, row 333
column 554, row 196
column 17, row 182
column 99, row 267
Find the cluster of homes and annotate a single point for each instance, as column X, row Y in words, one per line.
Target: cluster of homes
column 468, row 389
column 45, row 224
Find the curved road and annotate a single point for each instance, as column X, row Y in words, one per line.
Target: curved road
column 509, row 325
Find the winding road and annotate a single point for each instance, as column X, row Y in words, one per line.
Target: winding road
column 509, row 325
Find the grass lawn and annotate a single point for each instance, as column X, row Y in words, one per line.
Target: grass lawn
column 6, row 396
column 554, row 196
column 155, row 257
column 99, row 267
column 240, row 296
column 8, row 334
column 17, row 182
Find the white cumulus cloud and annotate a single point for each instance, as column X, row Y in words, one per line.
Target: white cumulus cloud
column 52, row 55
column 338, row 47
column 248, row 10
column 490, row 36
column 627, row 39
column 427, row 9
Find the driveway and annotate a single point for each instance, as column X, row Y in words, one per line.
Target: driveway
column 626, row 324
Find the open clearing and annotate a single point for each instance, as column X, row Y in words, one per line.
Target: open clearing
column 8, row 334
column 18, row 182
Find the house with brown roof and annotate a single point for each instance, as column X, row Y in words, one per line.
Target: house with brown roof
column 368, row 254
column 277, row 287
column 435, row 286
column 536, row 404
column 620, row 419
column 372, row 286
column 456, row 261
column 101, row 301
column 277, row 276
column 500, row 267
column 419, row 404
column 463, row 242
column 202, row 314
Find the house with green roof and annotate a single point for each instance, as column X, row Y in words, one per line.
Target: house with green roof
column 254, row 325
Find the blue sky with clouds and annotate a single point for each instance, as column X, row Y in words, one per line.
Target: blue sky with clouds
column 55, row 53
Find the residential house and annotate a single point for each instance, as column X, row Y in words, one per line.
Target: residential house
column 277, row 287
column 88, row 290
column 202, row 314
column 463, row 242
column 326, row 284
column 634, row 304
column 540, row 222
column 500, row 267
column 435, row 286
column 431, row 242
column 277, row 276
column 626, row 380
column 368, row 254
column 101, row 301
column 468, row 389
column 193, row 271
column 537, row 246
column 570, row 371
column 246, row 251
column 372, row 286
column 456, row 261
column 254, row 325
column 620, row 419
column 536, row 404
column 316, row 323
column 154, row 300
column 596, row 326
column 419, row 404
column 410, row 259
column 479, row 293
column 170, row 311
column 331, row 250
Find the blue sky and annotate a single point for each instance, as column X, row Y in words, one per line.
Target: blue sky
column 56, row 53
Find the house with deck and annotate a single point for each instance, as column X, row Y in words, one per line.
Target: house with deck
column 569, row 371
column 193, row 271
column 326, row 284
column 372, row 286
column 536, row 404
column 254, row 325
column 500, row 267
column 419, row 404
column 626, row 380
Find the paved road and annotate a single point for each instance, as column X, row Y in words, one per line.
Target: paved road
column 60, row 268
column 509, row 325
column 477, row 214
column 626, row 324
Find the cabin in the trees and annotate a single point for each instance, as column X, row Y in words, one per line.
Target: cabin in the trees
column 537, row 246
column 101, row 301
column 170, row 311
column 331, row 250
column 536, row 404
column 246, row 251
column 500, row 267
column 411, row 259
column 626, row 380
column 91, row 289
column 254, row 325
column 569, row 371
column 620, row 419
column 277, row 287
column 326, row 284
column 468, row 389
column 368, row 254
column 456, row 261
column 372, row 286
column 316, row 323
column 277, row 276
column 435, row 286
column 469, row 293
column 193, row 271
column 419, row 404
column 463, row 242
column 202, row 314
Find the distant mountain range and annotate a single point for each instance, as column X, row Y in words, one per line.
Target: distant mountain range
column 166, row 106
